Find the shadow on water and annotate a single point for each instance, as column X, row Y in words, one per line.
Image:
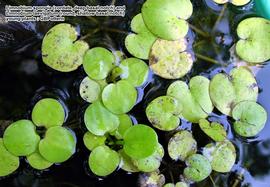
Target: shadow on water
column 24, row 79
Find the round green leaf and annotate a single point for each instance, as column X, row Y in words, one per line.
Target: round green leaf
column 140, row 141
column 228, row 90
column 58, row 145
column 152, row 162
column 139, row 44
column 194, row 98
column 125, row 123
column 103, row 161
column 90, row 90
column 135, row 71
column 8, row 162
column 168, row 60
column 126, row 162
column 60, row 50
column 254, row 43
column 20, row 138
column 166, row 18
column 98, row 62
column 214, row 130
column 48, row 113
column 182, row 145
column 120, row 97
column 198, row 168
column 99, row 120
column 92, row 141
column 222, row 156
column 250, row 118
column 38, row 162
column 234, row 2
column 179, row 184
column 163, row 113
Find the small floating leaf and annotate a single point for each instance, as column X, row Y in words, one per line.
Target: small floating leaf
column 58, row 145
column 124, row 124
column 214, row 130
column 98, row 62
column 38, row 162
column 8, row 162
column 222, row 155
column 198, row 168
column 60, row 50
column 99, row 120
column 254, row 43
column 126, row 162
column 92, row 141
column 182, row 145
column 228, row 90
column 152, row 162
column 20, row 138
column 179, row 184
column 166, row 18
column 154, row 179
column 90, row 90
column 139, row 44
column 135, row 71
column 250, row 118
column 234, row 2
column 163, row 113
column 140, row 141
column 103, row 161
column 48, row 113
column 120, row 97
column 168, row 59
column 194, row 98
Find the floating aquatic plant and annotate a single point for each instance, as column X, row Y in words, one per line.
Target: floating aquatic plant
column 61, row 50
column 214, row 130
column 169, row 60
column 228, row 90
column 254, row 43
column 90, row 90
column 37, row 161
column 92, row 141
column 195, row 99
column 20, row 138
column 9, row 163
column 166, row 18
column 178, row 184
column 139, row 44
column 250, row 118
column 48, row 113
column 125, row 123
column 234, row 2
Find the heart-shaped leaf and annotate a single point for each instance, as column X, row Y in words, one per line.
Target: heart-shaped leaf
column 58, row 145
column 99, row 120
column 168, row 59
column 20, row 138
column 198, row 168
column 120, row 97
column 103, row 161
column 60, row 50
column 182, row 145
column 140, row 141
column 194, row 99
column 98, row 62
column 222, row 155
column 36, row 161
column 254, row 43
column 228, row 90
column 9, row 163
column 214, row 130
column 139, row 44
column 166, row 18
column 163, row 113
column 48, row 113
column 135, row 71
column 92, row 141
column 250, row 118
column 151, row 163
column 234, row 2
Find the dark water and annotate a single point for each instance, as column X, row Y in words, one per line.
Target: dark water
column 24, row 79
